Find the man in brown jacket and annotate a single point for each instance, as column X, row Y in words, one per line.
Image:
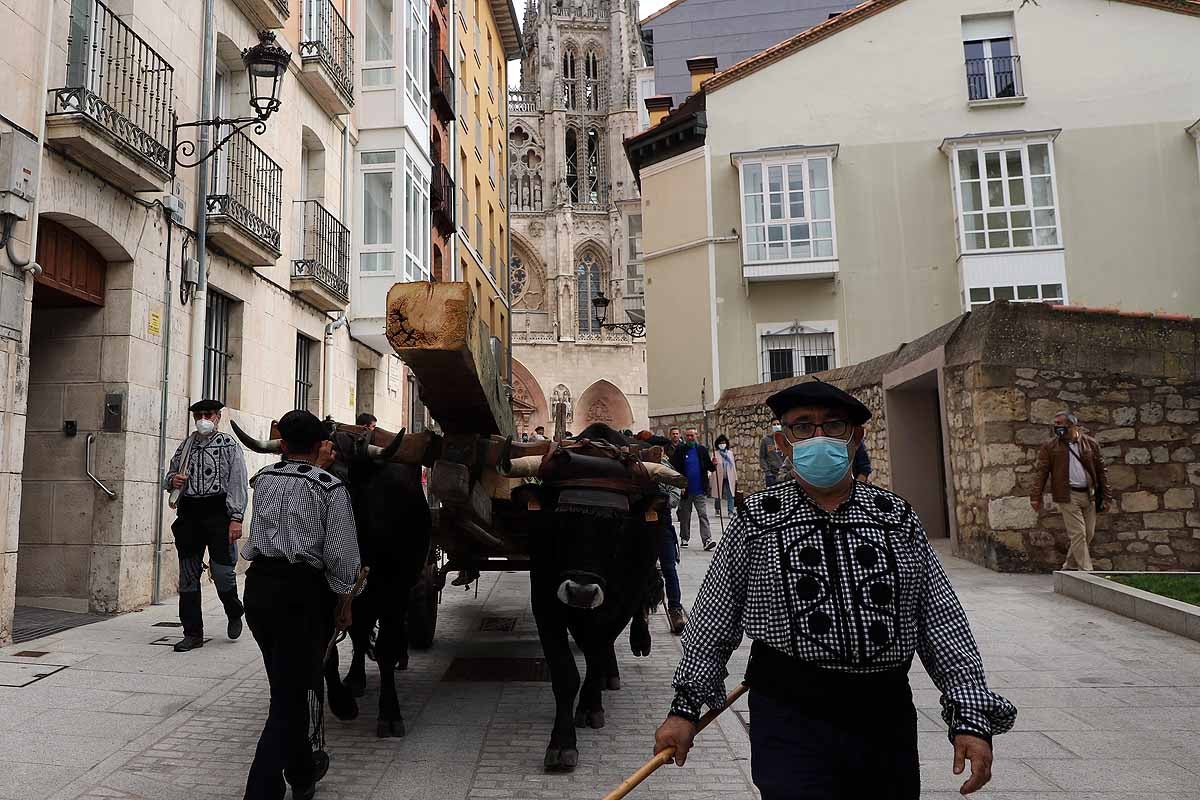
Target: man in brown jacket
column 1072, row 462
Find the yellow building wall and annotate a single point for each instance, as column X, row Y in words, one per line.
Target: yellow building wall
column 482, row 121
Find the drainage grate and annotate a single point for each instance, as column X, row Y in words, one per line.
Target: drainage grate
column 31, row 623
column 31, row 654
column 167, row 625
column 500, row 670
column 170, row 641
column 498, row 624
column 18, row 674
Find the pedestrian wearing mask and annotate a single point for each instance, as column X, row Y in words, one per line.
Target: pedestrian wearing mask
column 770, row 458
column 726, row 473
column 209, row 473
column 692, row 460
column 1072, row 463
column 838, row 587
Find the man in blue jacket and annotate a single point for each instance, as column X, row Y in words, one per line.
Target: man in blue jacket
column 692, row 460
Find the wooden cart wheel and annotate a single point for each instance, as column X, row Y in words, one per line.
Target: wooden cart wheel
column 422, row 609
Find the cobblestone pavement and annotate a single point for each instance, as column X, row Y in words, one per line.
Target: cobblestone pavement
column 1110, row 709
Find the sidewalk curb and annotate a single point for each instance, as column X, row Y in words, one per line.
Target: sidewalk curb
column 1175, row 616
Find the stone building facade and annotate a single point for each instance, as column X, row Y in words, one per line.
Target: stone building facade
column 576, row 216
column 97, row 350
column 958, row 416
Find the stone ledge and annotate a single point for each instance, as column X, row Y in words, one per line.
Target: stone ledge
column 1161, row 612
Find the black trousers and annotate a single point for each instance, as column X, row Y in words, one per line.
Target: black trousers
column 854, row 755
column 202, row 524
column 289, row 611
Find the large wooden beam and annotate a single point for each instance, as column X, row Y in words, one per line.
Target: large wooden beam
column 436, row 330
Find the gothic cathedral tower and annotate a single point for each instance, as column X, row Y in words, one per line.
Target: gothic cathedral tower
column 576, row 217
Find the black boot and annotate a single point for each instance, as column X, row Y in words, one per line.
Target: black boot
column 234, row 611
column 193, row 622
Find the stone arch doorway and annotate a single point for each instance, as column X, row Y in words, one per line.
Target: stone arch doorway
column 80, row 358
column 529, row 401
column 604, row 402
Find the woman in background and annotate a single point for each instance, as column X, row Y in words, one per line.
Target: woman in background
column 726, row 473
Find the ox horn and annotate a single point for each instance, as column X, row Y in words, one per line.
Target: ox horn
column 386, row 453
column 257, row 445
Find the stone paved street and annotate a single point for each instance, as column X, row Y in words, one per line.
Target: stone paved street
column 1110, row 708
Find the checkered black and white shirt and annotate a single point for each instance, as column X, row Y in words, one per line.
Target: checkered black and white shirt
column 215, row 467
column 855, row 591
column 303, row 514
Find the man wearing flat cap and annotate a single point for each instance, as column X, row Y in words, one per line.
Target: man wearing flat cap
column 836, row 584
column 209, row 473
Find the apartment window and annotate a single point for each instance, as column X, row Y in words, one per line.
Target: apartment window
column 791, row 350
column 417, row 235
column 634, row 275
column 417, row 60
column 462, row 88
column 217, row 353
column 492, row 152
column 304, row 384
column 478, row 123
column 1006, row 197
column 378, row 50
column 787, row 210
column 378, row 243
column 465, row 207
column 1027, row 293
column 992, row 64
column 490, row 72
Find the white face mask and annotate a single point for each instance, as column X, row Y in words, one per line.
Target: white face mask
column 777, row 428
column 721, row 446
column 205, row 427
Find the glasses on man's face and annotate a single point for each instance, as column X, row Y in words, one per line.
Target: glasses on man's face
column 833, row 428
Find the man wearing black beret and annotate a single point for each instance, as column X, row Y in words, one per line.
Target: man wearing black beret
column 208, row 473
column 836, row 584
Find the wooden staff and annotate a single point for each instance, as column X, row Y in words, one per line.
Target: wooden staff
column 343, row 601
column 665, row 757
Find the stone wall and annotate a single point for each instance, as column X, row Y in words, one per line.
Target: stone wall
column 1149, row 432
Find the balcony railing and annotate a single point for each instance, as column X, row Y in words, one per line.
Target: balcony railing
column 522, row 102
column 441, row 82
column 327, row 38
column 116, row 80
column 492, row 259
column 994, row 78
column 247, row 187
column 324, row 249
column 441, row 198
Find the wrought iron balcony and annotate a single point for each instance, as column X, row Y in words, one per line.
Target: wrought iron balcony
column 994, row 78
column 520, row 102
column 244, row 203
column 116, row 110
column 322, row 273
column 441, row 84
column 327, row 51
column 441, row 198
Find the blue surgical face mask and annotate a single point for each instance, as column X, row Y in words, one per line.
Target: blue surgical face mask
column 821, row 461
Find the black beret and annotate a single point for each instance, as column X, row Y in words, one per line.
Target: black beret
column 302, row 430
column 206, row 405
column 821, row 394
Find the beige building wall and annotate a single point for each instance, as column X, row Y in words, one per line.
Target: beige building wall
column 66, row 544
column 1119, row 79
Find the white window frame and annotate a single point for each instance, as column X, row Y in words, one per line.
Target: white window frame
column 380, row 64
column 764, row 329
column 394, row 246
column 981, row 146
column 1042, row 295
column 416, row 223
column 798, row 158
column 416, row 58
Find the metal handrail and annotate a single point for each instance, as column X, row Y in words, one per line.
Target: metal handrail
column 325, row 249
column 87, row 466
column 326, row 37
column 994, row 78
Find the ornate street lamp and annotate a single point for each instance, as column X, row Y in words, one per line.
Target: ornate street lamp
column 266, row 63
column 600, row 303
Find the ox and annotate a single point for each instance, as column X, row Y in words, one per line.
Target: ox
column 394, row 524
column 593, row 533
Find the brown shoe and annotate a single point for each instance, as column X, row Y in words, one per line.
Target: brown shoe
column 678, row 618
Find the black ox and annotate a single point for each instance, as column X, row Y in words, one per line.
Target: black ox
column 394, row 524
column 593, row 527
